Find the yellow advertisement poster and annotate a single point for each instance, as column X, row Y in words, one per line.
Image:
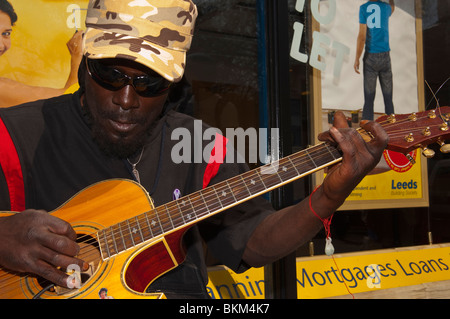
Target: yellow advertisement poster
column 344, row 275
column 403, row 182
column 394, row 184
column 45, row 50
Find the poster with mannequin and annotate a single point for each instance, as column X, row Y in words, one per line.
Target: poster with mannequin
column 341, row 83
column 43, row 48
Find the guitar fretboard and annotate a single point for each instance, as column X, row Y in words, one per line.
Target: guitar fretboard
column 209, row 201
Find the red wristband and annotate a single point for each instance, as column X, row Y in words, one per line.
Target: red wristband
column 326, row 221
column 329, row 249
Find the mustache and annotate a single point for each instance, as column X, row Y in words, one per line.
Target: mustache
column 123, row 117
column 127, row 117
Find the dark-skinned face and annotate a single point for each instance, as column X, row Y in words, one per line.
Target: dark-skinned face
column 121, row 120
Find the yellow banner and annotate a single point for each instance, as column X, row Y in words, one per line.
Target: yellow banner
column 323, row 276
column 403, row 181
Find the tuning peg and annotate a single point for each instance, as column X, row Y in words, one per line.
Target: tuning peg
column 427, row 152
column 445, row 148
column 426, row 131
column 391, row 118
column 409, row 138
column 432, row 114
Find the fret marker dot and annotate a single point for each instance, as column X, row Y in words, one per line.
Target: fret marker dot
column 153, row 223
column 224, row 194
column 252, row 182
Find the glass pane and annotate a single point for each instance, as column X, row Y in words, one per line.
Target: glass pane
column 222, row 65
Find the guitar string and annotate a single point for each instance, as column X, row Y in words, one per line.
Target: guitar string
column 294, row 157
column 97, row 251
column 172, row 220
column 398, row 133
column 201, row 199
column 93, row 249
column 231, row 185
column 162, row 222
column 169, row 217
column 388, row 123
column 195, row 203
column 393, row 133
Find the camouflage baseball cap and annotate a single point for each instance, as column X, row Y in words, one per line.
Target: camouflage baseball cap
column 156, row 33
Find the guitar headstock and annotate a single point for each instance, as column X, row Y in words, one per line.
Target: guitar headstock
column 408, row 132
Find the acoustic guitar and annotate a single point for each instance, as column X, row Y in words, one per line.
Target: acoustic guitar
column 128, row 242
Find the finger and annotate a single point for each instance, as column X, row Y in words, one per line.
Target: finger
column 340, row 121
column 61, row 227
column 326, row 137
column 337, row 135
column 380, row 138
column 54, row 275
column 57, row 268
column 60, row 260
column 348, row 143
column 54, row 224
column 54, row 233
column 60, row 244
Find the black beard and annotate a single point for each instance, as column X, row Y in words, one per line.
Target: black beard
column 117, row 149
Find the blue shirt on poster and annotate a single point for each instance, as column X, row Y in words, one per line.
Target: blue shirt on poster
column 375, row 14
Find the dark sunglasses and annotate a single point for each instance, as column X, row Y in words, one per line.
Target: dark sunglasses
column 112, row 79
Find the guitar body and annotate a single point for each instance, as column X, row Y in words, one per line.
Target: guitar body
column 125, row 275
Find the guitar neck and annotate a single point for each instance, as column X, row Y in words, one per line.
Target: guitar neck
column 214, row 199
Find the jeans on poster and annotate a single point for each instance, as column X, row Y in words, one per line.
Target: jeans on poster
column 377, row 66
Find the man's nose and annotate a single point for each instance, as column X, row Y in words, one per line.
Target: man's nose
column 126, row 97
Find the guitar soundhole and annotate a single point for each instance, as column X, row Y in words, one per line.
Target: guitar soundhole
column 90, row 253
